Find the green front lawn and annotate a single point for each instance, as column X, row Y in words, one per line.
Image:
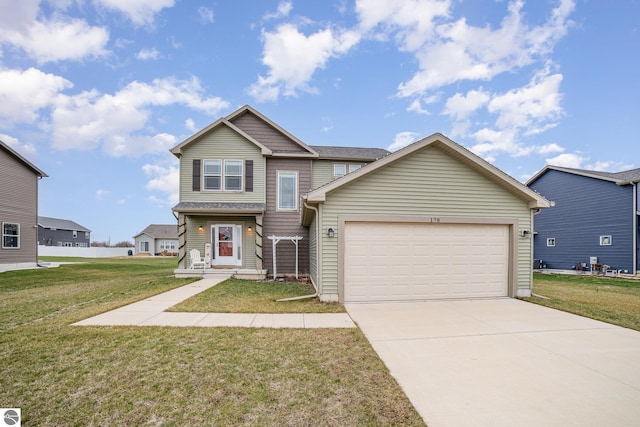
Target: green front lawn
column 244, row 296
column 69, row 375
column 611, row 300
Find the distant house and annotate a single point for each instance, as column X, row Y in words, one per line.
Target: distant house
column 18, row 209
column 157, row 239
column 62, row 232
column 594, row 221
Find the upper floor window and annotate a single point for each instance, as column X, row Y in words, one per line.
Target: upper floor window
column 341, row 169
column 223, row 175
column 288, row 191
column 605, row 241
column 86, row 234
column 551, row 242
column 10, row 235
column 75, row 234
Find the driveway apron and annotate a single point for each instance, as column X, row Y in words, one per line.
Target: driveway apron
column 505, row 362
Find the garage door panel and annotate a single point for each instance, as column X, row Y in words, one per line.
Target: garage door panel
column 400, row 261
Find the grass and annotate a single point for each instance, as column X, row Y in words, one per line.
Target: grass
column 81, row 376
column 244, row 296
column 611, row 300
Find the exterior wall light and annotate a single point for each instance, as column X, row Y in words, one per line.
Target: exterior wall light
column 330, row 232
column 201, row 228
column 526, row 233
column 249, row 229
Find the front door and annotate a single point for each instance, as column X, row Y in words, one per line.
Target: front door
column 227, row 244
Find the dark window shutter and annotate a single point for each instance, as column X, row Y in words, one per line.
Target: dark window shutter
column 196, row 175
column 248, row 175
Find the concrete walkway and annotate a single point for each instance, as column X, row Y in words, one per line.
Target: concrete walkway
column 151, row 312
column 506, row 362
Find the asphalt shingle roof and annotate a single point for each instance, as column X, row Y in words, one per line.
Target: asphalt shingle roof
column 161, row 231
column 60, row 224
column 219, row 207
column 350, row 153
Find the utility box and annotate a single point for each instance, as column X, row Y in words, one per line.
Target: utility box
column 593, row 260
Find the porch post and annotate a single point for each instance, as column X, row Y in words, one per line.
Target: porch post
column 259, row 242
column 182, row 240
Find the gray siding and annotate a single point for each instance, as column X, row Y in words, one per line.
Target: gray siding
column 585, row 209
column 144, row 238
column 284, row 223
column 266, row 134
column 19, row 204
column 49, row 237
column 429, row 183
column 222, row 143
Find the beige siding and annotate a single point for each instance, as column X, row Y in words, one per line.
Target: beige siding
column 286, row 223
column 322, row 172
column 266, row 134
column 19, row 204
column 196, row 239
column 428, row 184
column 313, row 259
column 222, row 143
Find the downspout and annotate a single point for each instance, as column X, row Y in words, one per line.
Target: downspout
column 317, row 261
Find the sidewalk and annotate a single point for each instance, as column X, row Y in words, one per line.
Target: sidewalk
column 151, row 312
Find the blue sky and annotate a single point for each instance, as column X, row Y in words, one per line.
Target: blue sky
column 95, row 92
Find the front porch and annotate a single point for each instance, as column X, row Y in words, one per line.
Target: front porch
column 208, row 273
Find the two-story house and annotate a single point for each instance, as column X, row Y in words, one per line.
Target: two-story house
column 62, row 232
column 429, row 221
column 594, row 223
column 18, row 210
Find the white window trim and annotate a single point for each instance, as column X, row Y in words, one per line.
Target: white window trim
column 224, row 175
column 335, row 165
column 3, row 235
column 606, row 240
column 551, row 242
column 353, row 167
column 223, row 183
column 295, row 208
column 75, row 234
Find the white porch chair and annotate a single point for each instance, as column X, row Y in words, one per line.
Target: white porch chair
column 196, row 260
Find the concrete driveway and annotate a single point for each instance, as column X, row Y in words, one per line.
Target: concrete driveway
column 505, row 362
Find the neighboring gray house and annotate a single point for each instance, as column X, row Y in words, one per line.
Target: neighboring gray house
column 157, row 239
column 430, row 221
column 594, row 223
column 18, row 210
column 62, row 232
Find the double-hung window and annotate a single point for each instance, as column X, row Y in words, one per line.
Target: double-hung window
column 287, row 191
column 10, row 235
column 212, row 173
column 222, row 175
column 233, row 175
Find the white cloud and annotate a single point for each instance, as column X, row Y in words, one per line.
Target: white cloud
column 206, row 15
column 284, row 8
column 455, row 51
column 23, row 94
column 148, row 54
column 119, row 121
column 27, row 150
column 293, row 58
column 549, row 148
column 49, row 39
column 101, row 193
column 568, row 160
column 416, row 107
column 609, row 166
column 461, row 106
column 190, row 125
column 403, row 139
column 140, row 12
column 164, row 179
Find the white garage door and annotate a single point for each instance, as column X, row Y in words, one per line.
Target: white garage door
column 402, row 261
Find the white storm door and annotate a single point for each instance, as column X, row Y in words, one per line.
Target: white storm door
column 227, row 244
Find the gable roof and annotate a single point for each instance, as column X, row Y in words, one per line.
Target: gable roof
column 350, row 153
column 60, row 224
column 455, row 150
column 245, row 109
column 22, row 160
column 177, row 150
column 160, row 231
column 619, row 178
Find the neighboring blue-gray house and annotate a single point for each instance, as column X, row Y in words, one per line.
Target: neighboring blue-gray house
column 62, row 232
column 594, row 220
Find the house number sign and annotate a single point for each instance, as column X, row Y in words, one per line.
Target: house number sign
column 435, row 219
